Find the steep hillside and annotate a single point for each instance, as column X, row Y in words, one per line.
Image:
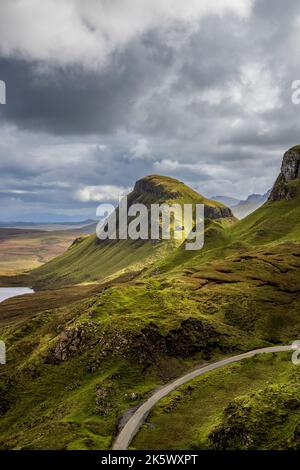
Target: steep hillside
column 251, row 405
column 278, row 220
column 246, row 207
column 290, row 171
column 254, row 281
column 85, row 355
column 274, row 223
column 91, row 259
column 74, row 369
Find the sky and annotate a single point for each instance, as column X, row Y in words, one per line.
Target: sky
column 104, row 92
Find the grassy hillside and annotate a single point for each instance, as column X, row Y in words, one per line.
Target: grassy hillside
column 84, row 355
column 275, row 221
column 76, row 368
column 93, row 260
column 250, row 405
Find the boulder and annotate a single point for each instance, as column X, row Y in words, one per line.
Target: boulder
column 70, row 342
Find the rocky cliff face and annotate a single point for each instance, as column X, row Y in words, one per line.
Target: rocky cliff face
column 290, row 171
column 212, row 212
column 158, row 186
column 167, row 188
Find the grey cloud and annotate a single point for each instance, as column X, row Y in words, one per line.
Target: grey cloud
column 216, row 95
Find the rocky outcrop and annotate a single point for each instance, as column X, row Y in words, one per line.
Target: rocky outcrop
column 290, row 171
column 191, row 336
column 4, row 405
column 167, row 188
column 155, row 186
column 291, row 164
column 214, row 213
column 70, row 342
column 256, row 420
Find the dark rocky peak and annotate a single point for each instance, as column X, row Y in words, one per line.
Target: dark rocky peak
column 159, row 186
column 290, row 171
column 291, row 164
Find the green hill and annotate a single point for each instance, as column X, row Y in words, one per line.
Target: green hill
column 91, row 259
column 82, row 356
column 276, row 221
column 251, row 282
column 251, row 405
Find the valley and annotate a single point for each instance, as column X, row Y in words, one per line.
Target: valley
column 23, row 249
column 112, row 321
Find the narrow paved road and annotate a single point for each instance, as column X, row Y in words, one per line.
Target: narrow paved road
column 132, row 426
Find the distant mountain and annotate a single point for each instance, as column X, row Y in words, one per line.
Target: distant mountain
column 49, row 226
column 244, row 207
column 227, row 200
column 249, row 205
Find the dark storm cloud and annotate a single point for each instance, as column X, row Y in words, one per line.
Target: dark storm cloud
column 207, row 101
column 74, row 100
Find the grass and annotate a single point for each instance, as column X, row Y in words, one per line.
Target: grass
column 94, row 260
column 22, row 250
column 53, row 402
column 155, row 312
column 273, row 222
column 195, row 415
column 136, row 338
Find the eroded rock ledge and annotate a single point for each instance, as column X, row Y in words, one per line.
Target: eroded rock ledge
column 290, row 171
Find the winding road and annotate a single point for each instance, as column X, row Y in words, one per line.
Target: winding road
column 132, row 426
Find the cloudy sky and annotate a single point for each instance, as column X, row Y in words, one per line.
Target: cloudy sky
column 101, row 93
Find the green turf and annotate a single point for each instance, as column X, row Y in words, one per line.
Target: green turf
column 94, row 260
column 171, row 311
column 254, row 404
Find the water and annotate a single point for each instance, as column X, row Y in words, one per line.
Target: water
column 7, row 292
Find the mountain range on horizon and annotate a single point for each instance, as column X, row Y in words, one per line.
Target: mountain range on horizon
column 240, row 207
column 243, row 207
column 50, row 226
